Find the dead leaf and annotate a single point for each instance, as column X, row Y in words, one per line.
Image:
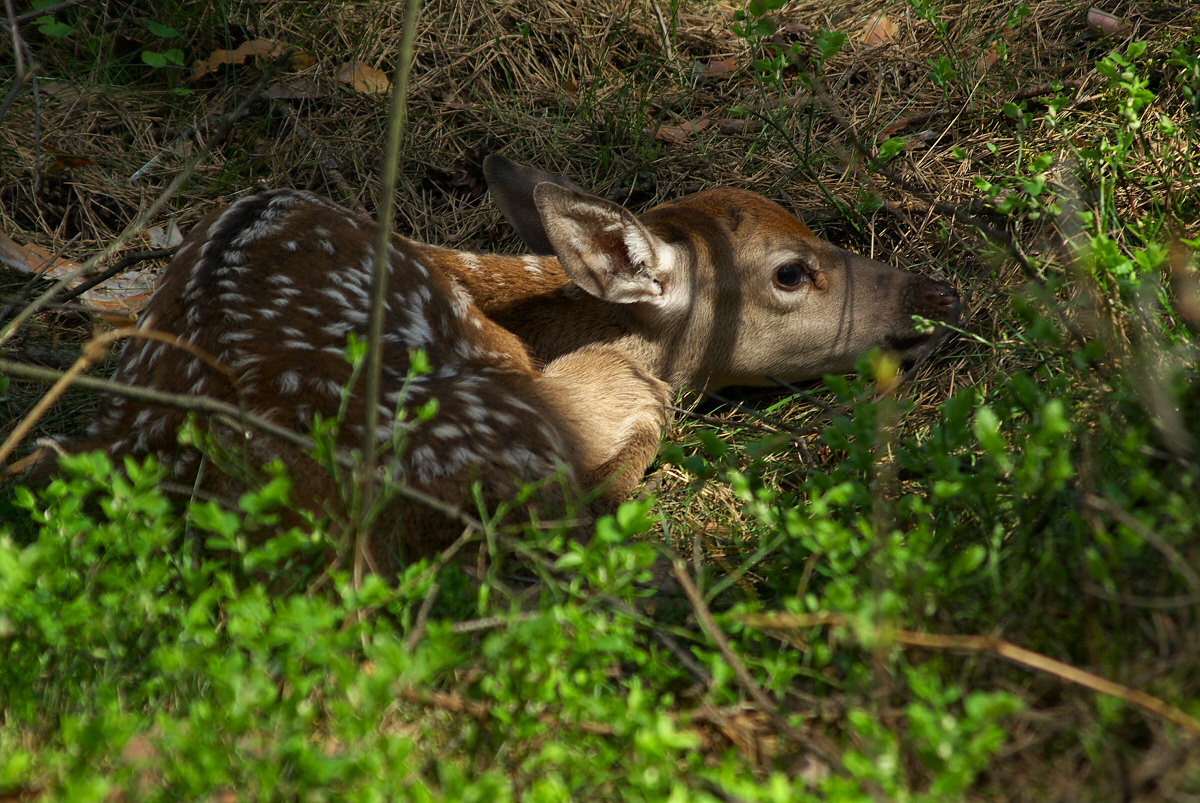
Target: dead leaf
column 255, row 48
column 301, row 61
column 1102, row 23
column 720, row 68
column 61, row 161
column 364, row 78
column 167, row 236
column 32, row 259
column 988, row 58
column 295, row 87
column 879, row 31
column 126, row 293
column 118, row 320
column 678, row 133
column 735, row 125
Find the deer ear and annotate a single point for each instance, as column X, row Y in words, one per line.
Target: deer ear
column 512, row 186
column 603, row 247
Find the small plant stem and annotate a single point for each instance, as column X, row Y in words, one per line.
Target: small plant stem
column 826, row 752
column 93, row 352
column 397, row 117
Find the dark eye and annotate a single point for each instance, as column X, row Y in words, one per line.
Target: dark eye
column 792, row 276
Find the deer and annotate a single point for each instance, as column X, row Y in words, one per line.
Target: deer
column 555, row 367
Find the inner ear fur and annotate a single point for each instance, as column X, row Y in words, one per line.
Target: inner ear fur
column 602, row 246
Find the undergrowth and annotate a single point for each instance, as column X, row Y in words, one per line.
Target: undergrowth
column 901, row 585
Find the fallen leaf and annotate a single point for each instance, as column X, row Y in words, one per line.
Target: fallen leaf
column 678, row 133
column 125, row 294
column 301, row 61
column 720, row 68
column 32, row 259
column 298, row 86
column 118, row 320
column 167, row 236
column 1102, row 23
column 60, row 161
column 879, row 31
column 989, row 57
column 255, row 48
column 735, row 125
column 364, row 78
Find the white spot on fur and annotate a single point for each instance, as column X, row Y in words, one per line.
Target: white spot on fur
column 446, row 431
column 288, row 382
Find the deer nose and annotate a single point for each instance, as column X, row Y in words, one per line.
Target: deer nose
column 942, row 300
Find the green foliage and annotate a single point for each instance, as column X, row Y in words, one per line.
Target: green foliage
column 756, row 25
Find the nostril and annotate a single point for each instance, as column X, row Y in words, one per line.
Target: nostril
column 941, row 299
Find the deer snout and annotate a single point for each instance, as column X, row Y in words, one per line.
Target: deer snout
column 938, row 301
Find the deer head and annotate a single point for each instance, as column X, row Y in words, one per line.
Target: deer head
column 723, row 287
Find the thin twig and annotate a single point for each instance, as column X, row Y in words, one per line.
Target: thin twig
column 745, row 679
column 12, row 26
column 16, row 88
column 93, row 352
column 1178, row 561
column 26, row 16
column 1137, row 601
column 116, row 268
column 997, row 646
column 668, row 45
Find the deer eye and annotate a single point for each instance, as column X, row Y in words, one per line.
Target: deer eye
column 792, row 276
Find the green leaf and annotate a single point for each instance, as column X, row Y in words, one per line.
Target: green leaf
column 968, row 560
column 156, row 60
column 210, row 516
column 158, row 29
column 890, row 147
column 987, row 430
column 49, row 26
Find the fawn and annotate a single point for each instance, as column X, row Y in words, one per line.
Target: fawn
column 540, row 364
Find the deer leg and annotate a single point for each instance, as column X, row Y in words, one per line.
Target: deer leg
column 616, row 412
